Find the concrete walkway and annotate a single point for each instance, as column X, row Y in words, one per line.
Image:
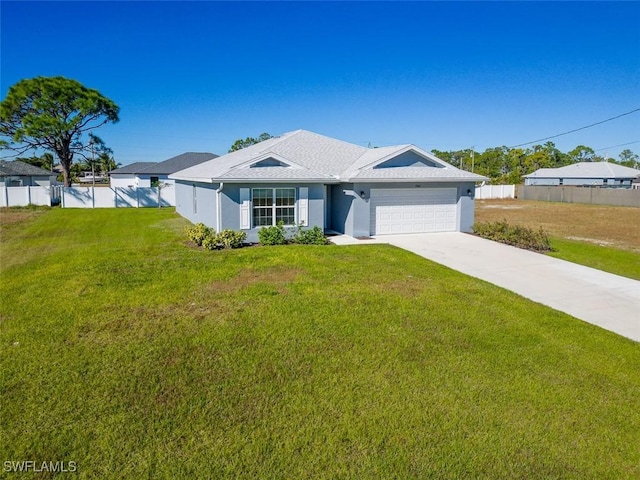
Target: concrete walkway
column 609, row 301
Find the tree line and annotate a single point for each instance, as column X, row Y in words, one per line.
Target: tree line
column 504, row 165
column 101, row 164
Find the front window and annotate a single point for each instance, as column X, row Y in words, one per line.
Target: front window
column 155, row 181
column 273, row 205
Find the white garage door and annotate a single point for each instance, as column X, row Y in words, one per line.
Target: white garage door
column 413, row 210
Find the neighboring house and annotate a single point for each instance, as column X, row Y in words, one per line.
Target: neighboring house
column 21, row 174
column 126, row 176
column 151, row 174
column 585, row 174
column 302, row 178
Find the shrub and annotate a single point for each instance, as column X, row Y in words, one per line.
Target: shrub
column 198, row 233
column 314, row 236
column 515, row 235
column 231, row 239
column 274, row 235
column 206, row 237
column 211, row 242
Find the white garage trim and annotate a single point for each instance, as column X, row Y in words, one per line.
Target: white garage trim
column 413, row 210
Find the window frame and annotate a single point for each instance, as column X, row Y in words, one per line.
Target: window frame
column 275, row 208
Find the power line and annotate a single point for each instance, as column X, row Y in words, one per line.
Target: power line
column 614, row 146
column 577, row 129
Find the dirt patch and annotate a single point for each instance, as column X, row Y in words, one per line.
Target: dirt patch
column 10, row 217
column 618, row 227
column 277, row 277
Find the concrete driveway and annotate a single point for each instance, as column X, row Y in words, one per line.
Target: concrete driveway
column 609, row 301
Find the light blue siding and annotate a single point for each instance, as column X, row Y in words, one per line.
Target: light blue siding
column 351, row 207
column 203, row 209
column 466, row 206
column 407, row 159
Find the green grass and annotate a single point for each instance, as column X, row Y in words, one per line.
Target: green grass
column 607, row 259
column 137, row 356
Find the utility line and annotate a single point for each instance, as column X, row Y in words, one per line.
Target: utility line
column 577, row 129
column 614, row 146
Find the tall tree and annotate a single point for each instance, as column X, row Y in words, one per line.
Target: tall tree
column 107, row 163
column 247, row 142
column 54, row 114
column 45, row 161
column 629, row 159
column 581, row 154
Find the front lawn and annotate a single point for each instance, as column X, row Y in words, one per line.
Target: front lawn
column 134, row 355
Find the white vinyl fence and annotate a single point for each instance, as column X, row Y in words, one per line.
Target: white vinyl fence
column 88, row 197
column 486, row 192
column 118, row 197
column 23, row 196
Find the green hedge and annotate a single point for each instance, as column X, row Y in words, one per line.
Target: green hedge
column 516, row 235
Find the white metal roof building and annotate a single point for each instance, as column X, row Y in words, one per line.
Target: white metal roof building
column 587, row 174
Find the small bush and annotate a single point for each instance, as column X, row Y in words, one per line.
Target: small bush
column 198, row 233
column 314, row 236
column 231, row 239
column 211, row 242
column 206, row 237
column 515, row 235
column 274, row 235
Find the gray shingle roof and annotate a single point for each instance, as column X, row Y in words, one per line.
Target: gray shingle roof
column 17, row 168
column 427, row 174
column 166, row 167
column 177, row 163
column 132, row 168
column 315, row 157
column 586, row 170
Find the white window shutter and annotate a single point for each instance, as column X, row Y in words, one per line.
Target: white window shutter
column 303, row 206
column 245, row 209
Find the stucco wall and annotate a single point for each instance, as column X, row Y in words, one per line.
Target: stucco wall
column 122, row 180
column 579, row 182
column 351, row 205
column 205, row 203
column 230, row 205
column 341, row 212
column 466, row 206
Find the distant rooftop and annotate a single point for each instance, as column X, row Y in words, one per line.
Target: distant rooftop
column 132, row 168
column 166, row 167
column 587, row 170
column 177, row 163
column 18, row 168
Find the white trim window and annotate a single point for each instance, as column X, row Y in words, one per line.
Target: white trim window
column 273, row 205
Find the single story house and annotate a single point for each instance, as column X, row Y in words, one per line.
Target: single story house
column 585, row 174
column 303, row 178
column 21, row 174
column 151, row 174
column 127, row 176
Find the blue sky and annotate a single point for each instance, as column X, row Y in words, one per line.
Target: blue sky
column 196, row 76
